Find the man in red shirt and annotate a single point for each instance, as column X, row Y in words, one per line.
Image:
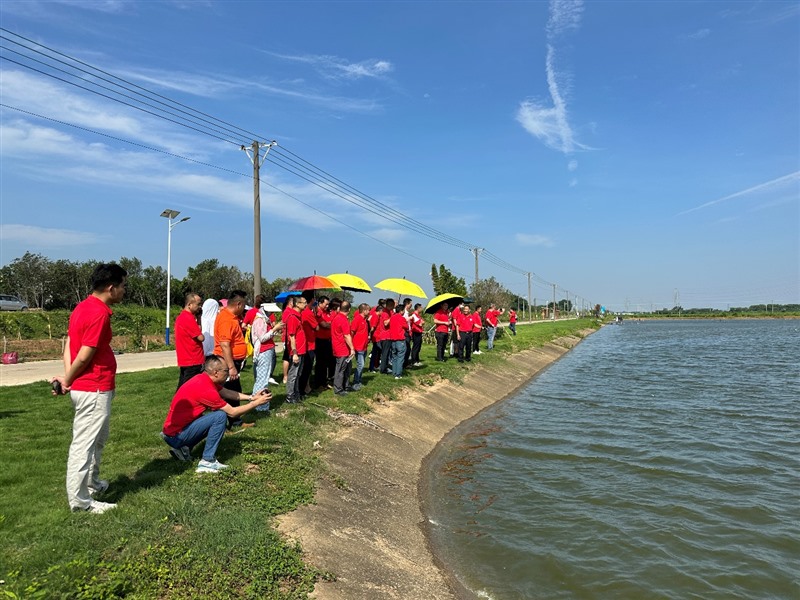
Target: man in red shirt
column 386, row 341
column 417, row 328
column 476, row 329
column 296, row 347
column 89, row 376
column 310, row 328
column 342, row 345
column 491, row 325
column 512, row 321
column 375, row 334
column 441, row 319
column 464, row 325
column 359, row 330
column 189, row 339
column 324, row 353
column 397, row 337
column 455, row 315
column 200, row 410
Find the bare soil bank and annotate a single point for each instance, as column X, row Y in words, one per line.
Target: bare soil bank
column 367, row 527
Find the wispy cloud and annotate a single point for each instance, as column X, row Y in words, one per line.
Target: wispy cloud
column 334, row 67
column 572, row 165
column 530, row 239
column 37, row 237
column 775, row 185
column 700, row 34
column 549, row 121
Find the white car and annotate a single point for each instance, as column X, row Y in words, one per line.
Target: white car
column 11, row 303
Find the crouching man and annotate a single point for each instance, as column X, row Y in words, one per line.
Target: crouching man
column 199, row 411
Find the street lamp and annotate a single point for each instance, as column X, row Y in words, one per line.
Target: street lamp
column 170, row 214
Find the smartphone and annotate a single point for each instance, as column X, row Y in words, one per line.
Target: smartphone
column 57, row 387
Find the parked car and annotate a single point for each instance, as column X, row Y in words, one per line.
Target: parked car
column 12, row 303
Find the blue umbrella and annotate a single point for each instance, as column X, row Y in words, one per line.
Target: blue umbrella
column 284, row 295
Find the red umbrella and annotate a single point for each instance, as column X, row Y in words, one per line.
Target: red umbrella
column 313, row 282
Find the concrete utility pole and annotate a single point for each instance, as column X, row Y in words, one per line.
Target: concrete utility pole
column 253, row 154
column 530, row 315
column 554, row 302
column 476, row 252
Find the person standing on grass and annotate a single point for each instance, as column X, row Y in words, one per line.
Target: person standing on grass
column 296, row 348
column 491, row 325
column 89, row 377
column 386, row 341
column 208, row 317
column 397, row 336
column 229, row 342
column 263, row 335
column 512, row 321
column 189, row 338
column 342, row 345
column 441, row 319
column 310, row 328
column 200, row 410
column 477, row 326
column 465, row 325
column 417, row 328
column 359, row 330
column 375, row 332
column 323, row 372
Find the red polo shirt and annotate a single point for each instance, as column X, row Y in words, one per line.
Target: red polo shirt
column 294, row 327
column 360, row 332
column 324, row 316
column 491, row 317
column 90, row 325
column 441, row 316
column 512, row 316
column 340, row 327
column 476, row 322
column 417, row 323
column 191, row 400
column 310, row 325
column 464, row 322
column 188, row 349
column 397, row 327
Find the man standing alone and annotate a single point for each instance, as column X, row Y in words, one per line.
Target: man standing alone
column 90, row 376
column 189, row 339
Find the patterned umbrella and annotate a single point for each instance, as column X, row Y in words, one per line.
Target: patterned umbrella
column 313, row 282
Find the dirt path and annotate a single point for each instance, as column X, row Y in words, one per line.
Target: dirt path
column 367, row 527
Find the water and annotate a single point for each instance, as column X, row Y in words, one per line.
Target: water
column 655, row 460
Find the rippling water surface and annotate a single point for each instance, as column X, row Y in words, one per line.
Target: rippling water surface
column 658, row 459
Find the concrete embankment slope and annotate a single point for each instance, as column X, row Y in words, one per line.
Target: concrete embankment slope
column 366, row 526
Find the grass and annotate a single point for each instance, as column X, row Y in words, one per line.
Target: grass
column 177, row 534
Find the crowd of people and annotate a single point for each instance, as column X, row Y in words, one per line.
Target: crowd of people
column 323, row 348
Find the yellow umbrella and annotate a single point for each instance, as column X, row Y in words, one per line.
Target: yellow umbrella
column 451, row 299
column 346, row 281
column 404, row 287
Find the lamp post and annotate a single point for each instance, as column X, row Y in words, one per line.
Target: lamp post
column 170, row 214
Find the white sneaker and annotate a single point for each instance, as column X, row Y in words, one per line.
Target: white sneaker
column 273, row 382
column 208, row 466
column 98, row 508
column 477, row 352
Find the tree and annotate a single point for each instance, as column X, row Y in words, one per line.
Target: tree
column 444, row 282
column 212, row 280
column 490, row 291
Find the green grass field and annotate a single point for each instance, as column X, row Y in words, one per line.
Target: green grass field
column 177, row 534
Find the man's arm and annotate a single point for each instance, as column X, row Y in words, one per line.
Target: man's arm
column 227, row 354
column 258, row 399
column 74, row 368
column 348, row 339
column 200, row 338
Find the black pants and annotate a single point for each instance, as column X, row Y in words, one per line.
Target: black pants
column 416, row 346
column 407, row 360
column 375, row 357
column 386, row 351
column 465, row 346
column 324, row 370
column 305, row 372
column 476, row 340
column 187, row 373
column 236, row 386
column 441, row 344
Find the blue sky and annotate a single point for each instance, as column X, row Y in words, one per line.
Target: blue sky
column 629, row 152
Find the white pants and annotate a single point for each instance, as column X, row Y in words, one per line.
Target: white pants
column 89, row 435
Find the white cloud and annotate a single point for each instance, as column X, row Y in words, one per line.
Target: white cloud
column 550, row 124
column 572, row 165
column 34, row 236
column 334, row 67
column 529, row 239
column 564, row 15
column 573, row 182
column 700, row 34
column 769, row 187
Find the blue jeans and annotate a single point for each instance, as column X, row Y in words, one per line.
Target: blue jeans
column 210, row 426
column 360, row 360
column 398, row 355
column 490, row 331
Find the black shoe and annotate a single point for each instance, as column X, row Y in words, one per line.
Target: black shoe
column 342, row 393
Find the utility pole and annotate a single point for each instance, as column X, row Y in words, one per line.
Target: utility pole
column 476, row 252
column 554, row 303
column 530, row 315
column 253, row 155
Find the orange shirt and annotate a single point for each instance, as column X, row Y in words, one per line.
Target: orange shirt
column 228, row 329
